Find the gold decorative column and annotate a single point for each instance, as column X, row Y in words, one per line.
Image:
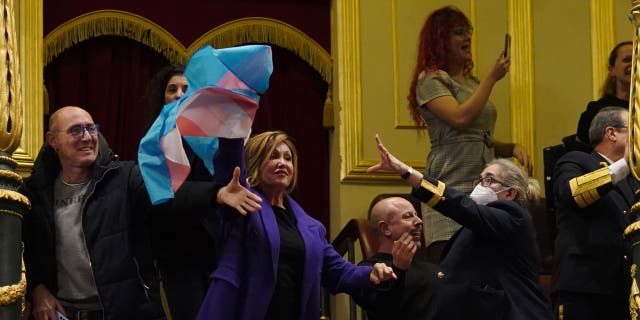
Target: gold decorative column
column 13, row 205
column 632, row 233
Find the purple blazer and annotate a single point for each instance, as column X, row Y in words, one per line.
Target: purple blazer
column 244, row 281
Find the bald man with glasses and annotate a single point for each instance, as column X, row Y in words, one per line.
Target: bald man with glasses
column 87, row 250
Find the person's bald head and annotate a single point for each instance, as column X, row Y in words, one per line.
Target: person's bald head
column 392, row 217
column 64, row 112
column 74, row 136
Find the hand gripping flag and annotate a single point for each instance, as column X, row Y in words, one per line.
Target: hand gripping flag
column 221, row 101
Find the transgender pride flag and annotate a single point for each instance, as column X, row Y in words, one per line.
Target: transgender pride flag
column 222, row 100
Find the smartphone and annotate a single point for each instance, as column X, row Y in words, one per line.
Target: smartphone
column 507, row 44
column 60, row 316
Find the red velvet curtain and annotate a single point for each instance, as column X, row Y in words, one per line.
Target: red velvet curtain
column 188, row 20
column 108, row 76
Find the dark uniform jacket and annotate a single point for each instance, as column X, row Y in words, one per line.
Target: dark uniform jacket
column 490, row 266
column 590, row 252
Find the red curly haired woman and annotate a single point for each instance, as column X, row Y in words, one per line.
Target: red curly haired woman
column 454, row 105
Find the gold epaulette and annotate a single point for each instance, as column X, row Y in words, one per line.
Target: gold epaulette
column 438, row 191
column 584, row 188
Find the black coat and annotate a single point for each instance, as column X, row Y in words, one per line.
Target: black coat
column 490, row 266
column 185, row 230
column 114, row 227
column 590, row 252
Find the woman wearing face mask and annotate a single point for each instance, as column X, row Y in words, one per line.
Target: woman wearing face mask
column 490, row 266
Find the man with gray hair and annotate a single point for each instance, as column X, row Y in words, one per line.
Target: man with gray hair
column 592, row 194
column 399, row 230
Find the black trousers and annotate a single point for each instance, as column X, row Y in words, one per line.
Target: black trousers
column 185, row 289
column 585, row 306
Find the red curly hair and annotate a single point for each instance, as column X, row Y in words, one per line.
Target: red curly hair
column 433, row 49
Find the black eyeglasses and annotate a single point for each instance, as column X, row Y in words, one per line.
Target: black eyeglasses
column 77, row 131
column 487, row 181
column 461, row 31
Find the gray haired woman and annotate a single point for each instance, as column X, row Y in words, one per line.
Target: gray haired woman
column 490, row 266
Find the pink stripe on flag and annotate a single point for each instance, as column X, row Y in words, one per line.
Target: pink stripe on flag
column 177, row 161
column 216, row 113
column 178, row 173
column 231, row 81
column 189, row 127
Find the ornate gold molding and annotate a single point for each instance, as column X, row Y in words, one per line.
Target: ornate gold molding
column 521, row 81
column 113, row 23
column 602, row 41
column 15, row 197
column 236, row 32
column 31, row 65
column 348, row 86
column 12, row 293
column 11, row 176
column 272, row 31
column 10, row 86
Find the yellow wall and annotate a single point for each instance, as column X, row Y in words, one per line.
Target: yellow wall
column 562, row 47
column 373, row 65
column 563, row 86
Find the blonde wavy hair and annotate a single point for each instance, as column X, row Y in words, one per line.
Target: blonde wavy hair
column 258, row 150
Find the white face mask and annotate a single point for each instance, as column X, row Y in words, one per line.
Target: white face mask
column 483, row 195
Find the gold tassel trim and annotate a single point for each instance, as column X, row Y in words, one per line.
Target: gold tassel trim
column 269, row 31
column 113, row 23
column 233, row 33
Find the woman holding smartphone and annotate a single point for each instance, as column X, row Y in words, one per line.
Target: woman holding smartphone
column 454, row 105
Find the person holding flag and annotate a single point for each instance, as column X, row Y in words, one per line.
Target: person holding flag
column 216, row 93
